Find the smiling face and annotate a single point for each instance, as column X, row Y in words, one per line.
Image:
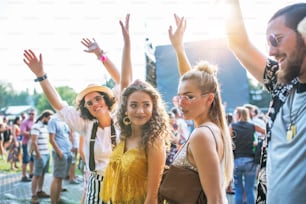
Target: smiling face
column 139, row 108
column 287, row 48
column 95, row 104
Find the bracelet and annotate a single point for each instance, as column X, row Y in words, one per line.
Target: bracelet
column 102, row 56
column 39, row 79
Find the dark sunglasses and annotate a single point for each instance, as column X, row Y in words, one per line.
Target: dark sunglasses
column 273, row 40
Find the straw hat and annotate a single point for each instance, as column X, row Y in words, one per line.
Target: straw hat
column 94, row 87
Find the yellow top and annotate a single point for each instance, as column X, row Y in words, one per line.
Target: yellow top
column 125, row 178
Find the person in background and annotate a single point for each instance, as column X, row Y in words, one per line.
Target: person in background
column 182, row 127
column 254, row 118
column 75, row 138
column 136, row 165
column 27, row 159
column 41, row 154
column 2, row 152
column 174, row 139
column 59, row 136
column 243, row 131
column 282, row 172
column 14, row 148
column 200, row 100
column 7, row 133
column 94, row 105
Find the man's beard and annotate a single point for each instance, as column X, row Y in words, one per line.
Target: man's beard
column 294, row 63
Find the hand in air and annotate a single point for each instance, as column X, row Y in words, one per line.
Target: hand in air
column 125, row 29
column 177, row 36
column 92, row 46
column 35, row 64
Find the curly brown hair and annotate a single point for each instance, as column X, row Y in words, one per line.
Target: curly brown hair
column 157, row 126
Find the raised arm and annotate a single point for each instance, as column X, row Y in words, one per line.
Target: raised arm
column 93, row 47
column 126, row 66
column 176, row 39
column 248, row 55
column 36, row 66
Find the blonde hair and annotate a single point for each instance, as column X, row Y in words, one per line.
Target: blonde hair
column 243, row 113
column 204, row 74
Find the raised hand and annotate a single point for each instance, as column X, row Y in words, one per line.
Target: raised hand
column 35, row 64
column 125, row 29
column 126, row 64
column 176, row 37
column 92, row 46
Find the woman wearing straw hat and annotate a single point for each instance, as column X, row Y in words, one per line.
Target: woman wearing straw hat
column 94, row 104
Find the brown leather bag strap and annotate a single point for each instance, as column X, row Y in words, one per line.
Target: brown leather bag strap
column 212, row 134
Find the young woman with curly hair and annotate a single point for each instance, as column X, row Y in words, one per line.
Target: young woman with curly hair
column 136, row 165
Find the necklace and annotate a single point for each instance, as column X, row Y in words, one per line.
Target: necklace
column 291, row 130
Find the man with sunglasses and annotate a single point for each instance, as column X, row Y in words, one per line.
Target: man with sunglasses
column 282, row 175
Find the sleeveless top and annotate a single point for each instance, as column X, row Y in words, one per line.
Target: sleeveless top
column 243, row 139
column 125, row 178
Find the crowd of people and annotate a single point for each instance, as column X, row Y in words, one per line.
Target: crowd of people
column 127, row 136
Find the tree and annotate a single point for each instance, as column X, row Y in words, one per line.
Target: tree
column 66, row 92
column 6, row 89
column 259, row 96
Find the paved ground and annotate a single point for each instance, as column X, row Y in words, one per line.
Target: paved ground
column 12, row 191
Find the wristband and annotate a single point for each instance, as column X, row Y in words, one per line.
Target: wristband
column 103, row 58
column 39, row 79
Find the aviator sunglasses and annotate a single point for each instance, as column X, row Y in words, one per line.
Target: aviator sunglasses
column 184, row 99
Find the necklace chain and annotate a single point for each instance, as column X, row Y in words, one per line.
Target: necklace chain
column 293, row 118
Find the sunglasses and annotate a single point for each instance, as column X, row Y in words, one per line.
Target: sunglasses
column 184, row 99
column 273, row 40
column 96, row 99
column 31, row 113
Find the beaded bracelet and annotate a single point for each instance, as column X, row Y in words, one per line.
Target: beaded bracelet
column 39, row 79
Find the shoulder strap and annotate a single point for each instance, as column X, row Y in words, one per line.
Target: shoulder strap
column 212, row 134
column 94, row 131
column 113, row 135
column 92, row 165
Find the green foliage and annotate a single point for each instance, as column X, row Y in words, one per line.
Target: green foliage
column 6, row 90
column 259, row 96
column 68, row 95
column 9, row 97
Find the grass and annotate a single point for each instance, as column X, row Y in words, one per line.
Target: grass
column 6, row 166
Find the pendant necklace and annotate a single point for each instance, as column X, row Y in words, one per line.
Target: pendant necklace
column 291, row 130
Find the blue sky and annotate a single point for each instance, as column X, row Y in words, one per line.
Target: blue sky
column 55, row 29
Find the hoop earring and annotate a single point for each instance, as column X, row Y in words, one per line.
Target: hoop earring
column 126, row 121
